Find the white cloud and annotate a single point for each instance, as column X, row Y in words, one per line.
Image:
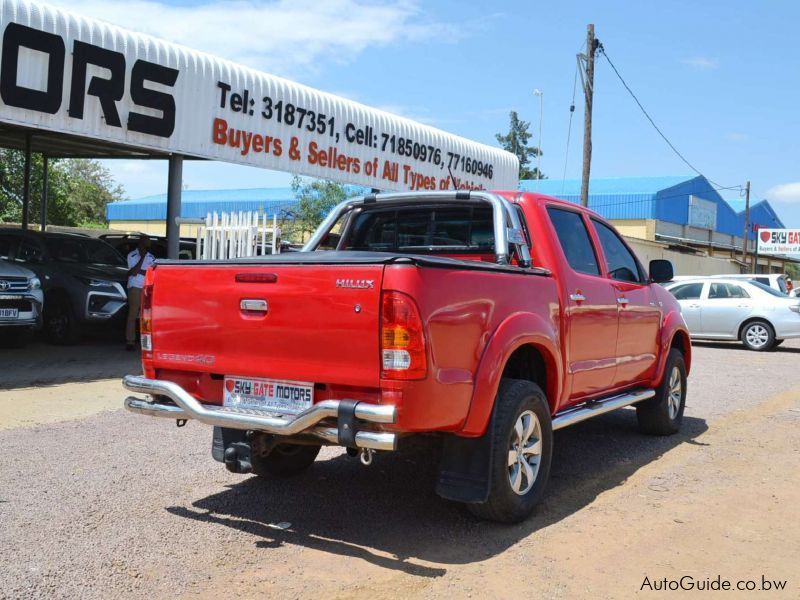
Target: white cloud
column 735, row 136
column 785, row 192
column 283, row 36
column 701, row 62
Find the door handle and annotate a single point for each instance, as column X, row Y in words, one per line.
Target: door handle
column 577, row 297
column 623, row 301
column 253, row 305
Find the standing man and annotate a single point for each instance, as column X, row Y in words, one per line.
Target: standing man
column 139, row 261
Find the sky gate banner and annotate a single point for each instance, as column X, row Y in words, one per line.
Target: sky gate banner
column 779, row 241
column 65, row 73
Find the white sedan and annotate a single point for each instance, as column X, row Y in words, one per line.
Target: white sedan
column 734, row 309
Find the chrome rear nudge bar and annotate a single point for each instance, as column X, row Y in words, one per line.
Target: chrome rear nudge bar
column 187, row 407
column 599, row 407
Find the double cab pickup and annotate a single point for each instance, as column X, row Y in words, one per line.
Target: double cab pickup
column 488, row 319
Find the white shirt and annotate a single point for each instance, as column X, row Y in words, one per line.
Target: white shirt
column 137, row 281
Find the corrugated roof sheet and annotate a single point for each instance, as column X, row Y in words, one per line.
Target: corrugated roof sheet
column 198, row 203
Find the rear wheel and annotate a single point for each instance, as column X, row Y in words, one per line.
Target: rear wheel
column 284, row 460
column 758, row 336
column 522, row 447
column 663, row 414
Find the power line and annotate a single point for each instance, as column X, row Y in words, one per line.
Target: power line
column 602, row 50
column 569, row 128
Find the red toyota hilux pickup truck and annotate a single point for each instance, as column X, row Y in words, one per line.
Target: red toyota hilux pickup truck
column 487, row 319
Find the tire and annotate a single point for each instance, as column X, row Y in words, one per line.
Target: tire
column 61, row 326
column 663, row 414
column 514, row 490
column 758, row 336
column 284, row 460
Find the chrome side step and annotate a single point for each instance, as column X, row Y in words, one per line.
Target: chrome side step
column 594, row 408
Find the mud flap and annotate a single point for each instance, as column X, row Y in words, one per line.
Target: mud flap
column 466, row 469
column 224, row 437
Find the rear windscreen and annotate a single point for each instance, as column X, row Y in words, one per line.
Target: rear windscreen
column 446, row 228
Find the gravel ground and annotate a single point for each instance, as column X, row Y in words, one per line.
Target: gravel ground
column 117, row 505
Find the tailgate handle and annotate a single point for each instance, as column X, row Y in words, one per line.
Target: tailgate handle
column 253, row 305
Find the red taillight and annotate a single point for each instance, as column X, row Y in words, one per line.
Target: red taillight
column 402, row 338
column 146, row 318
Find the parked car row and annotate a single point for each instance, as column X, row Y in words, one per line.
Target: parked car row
column 67, row 283
column 738, row 307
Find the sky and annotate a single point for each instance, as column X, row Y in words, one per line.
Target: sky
column 720, row 78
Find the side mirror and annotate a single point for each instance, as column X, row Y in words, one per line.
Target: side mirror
column 661, row 271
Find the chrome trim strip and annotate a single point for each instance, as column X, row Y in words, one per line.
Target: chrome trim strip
column 599, row 407
column 503, row 216
column 189, row 408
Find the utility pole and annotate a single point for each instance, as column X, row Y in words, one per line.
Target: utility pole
column 588, row 92
column 540, row 95
column 746, row 221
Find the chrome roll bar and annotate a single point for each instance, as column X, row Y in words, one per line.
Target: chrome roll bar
column 507, row 225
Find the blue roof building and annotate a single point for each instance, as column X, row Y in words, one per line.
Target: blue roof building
column 690, row 201
column 198, row 203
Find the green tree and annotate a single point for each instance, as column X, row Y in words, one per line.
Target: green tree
column 78, row 190
column 315, row 199
column 516, row 142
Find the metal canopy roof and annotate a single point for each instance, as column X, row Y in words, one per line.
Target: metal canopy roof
column 62, row 145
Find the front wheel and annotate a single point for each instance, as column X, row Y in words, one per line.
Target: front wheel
column 663, row 414
column 758, row 336
column 522, row 448
column 61, row 326
column 284, row 460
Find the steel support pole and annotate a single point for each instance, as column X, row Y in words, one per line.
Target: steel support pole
column 26, row 183
column 174, row 186
column 45, row 185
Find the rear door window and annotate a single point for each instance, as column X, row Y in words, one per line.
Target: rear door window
column 721, row 291
column 574, row 239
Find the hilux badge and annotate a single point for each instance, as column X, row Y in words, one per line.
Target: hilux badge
column 356, row 284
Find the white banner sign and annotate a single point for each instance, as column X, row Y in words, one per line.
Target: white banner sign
column 65, row 73
column 779, row 241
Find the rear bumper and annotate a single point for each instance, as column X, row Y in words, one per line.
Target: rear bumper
column 333, row 421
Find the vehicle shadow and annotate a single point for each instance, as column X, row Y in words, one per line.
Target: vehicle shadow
column 39, row 364
column 388, row 514
column 736, row 345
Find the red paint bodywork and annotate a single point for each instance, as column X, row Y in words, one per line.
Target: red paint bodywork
column 474, row 320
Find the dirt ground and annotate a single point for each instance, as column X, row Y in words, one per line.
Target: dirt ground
column 97, row 503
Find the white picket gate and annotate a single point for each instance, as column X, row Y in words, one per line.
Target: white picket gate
column 237, row 235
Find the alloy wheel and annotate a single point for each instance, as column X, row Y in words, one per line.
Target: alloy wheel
column 525, row 452
column 675, row 393
column 757, row 335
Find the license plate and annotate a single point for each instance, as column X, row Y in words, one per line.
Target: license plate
column 9, row 313
column 270, row 395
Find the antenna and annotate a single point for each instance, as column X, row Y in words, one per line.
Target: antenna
column 453, row 179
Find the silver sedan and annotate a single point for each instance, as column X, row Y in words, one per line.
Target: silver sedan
column 731, row 309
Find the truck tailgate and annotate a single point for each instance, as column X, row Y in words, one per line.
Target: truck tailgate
column 321, row 322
